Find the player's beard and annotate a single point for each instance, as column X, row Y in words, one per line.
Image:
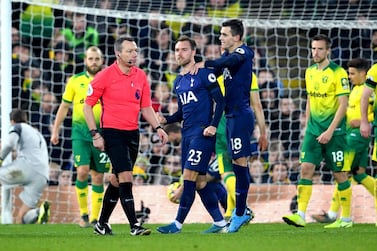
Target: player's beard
column 186, row 62
column 319, row 60
column 181, row 61
column 93, row 70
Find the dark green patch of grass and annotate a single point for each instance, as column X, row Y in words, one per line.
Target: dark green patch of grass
column 55, row 237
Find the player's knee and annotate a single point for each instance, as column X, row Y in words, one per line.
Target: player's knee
column 307, row 171
column 97, row 178
column 125, row 176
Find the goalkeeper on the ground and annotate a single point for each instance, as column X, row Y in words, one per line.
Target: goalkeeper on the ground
column 30, row 169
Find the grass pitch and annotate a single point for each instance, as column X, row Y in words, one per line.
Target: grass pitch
column 70, row 237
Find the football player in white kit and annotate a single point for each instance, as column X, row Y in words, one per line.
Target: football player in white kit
column 29, row 169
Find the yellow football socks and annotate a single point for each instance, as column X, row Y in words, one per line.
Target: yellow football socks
column 96, row 198
column 334, row 206
column 230, row 184
column 345, row 193
column 82, row 196
column 304, row 192
column 368, row 183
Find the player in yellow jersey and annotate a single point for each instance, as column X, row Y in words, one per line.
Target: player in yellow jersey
column 86, row 156
column 365, row 127
column 358, row 146
column 328, row 89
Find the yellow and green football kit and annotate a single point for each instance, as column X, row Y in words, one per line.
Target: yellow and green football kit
column 357, row 146
column 372, row 83
column 324, row 87
column 82, row 145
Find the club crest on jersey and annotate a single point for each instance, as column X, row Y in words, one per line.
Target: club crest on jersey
column 325, row 79
column 192, row 82
column 187, row 97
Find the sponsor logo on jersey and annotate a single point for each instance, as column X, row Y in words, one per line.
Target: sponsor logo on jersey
column 226, row 74
column 188, row 97
column 137, row 94
column 317, row 94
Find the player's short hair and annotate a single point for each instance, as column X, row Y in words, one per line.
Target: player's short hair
column 359, row 63
column 94, row 49
column 119, row 41
column 188, row 39
column 236, row 27
column 323, row 37
column 18, row 116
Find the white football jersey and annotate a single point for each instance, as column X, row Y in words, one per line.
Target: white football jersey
column 31, row 147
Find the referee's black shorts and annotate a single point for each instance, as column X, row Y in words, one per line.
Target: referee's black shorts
column 122, row 148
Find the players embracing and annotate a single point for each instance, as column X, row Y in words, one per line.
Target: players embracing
column 197, row 95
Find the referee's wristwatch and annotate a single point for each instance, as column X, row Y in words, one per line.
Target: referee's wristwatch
column 158, row 127
column 93, row 132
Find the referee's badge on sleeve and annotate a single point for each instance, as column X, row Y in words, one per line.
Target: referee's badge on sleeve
column 345, row 83
column 90, row 90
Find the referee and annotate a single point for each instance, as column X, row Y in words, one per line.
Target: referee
column 124, row 92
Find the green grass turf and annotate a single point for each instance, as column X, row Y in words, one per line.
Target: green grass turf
column 264, row 237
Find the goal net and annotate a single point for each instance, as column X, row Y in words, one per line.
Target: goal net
column 278, row 31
